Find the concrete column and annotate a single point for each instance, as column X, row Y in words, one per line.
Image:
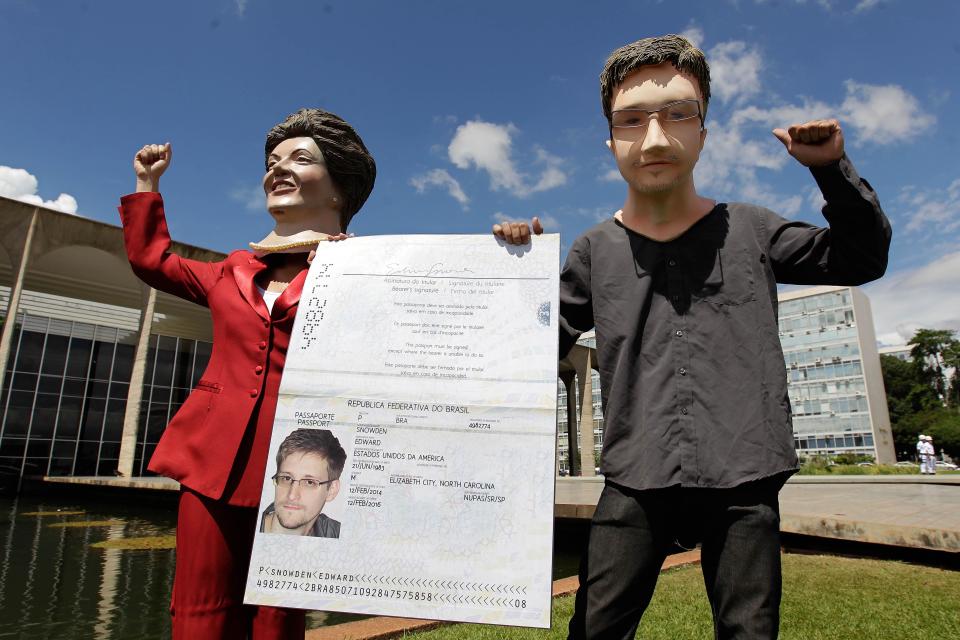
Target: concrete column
column 573, row 457
column 581, row 361
column 6, row 336
column 131, row 417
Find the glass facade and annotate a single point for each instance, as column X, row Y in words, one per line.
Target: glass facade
column 65, row 394
column 563, row 446
column 825, row 375
column 174, row 365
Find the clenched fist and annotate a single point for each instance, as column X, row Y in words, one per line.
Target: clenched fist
column 149, row 164
column 813, row 144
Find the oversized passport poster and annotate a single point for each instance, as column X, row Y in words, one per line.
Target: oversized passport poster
column 412, row 461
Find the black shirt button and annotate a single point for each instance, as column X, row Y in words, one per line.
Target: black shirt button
column 682, row 371
column 679, row 333
column 683, row 410
column 672, row 262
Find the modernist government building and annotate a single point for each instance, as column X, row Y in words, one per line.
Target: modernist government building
column 93, row 363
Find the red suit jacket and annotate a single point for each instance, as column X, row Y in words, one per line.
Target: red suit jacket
column 218, row 441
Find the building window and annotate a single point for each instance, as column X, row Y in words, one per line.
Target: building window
column 64, row 397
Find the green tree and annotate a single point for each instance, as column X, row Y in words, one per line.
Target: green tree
column 909, row 393
column 929, row 347
column 908, row 389
column 951, row 358
column 942, row 424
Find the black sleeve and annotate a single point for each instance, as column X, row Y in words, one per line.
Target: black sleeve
column 852, row 251
column 576, row 301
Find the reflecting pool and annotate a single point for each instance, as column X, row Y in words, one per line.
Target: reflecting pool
column 79, row 568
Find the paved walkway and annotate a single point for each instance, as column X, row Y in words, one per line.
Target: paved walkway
column 909, row 511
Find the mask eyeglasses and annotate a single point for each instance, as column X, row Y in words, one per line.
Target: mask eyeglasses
column 672, row 113
column 306, row 484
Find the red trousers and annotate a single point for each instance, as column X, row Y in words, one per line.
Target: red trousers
column 213, row 552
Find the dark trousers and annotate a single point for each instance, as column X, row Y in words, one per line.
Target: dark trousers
column 213, row 551
column 632, row 533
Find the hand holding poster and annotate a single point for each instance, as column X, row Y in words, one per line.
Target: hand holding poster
column 413, row 451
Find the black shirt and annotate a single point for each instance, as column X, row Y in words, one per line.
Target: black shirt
column 692, row 375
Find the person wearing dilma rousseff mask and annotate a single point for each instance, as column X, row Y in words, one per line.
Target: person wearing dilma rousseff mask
column 318, row 175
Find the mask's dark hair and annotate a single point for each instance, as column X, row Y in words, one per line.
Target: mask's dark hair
column 319, row 441
column 674, row 49
column 349, row 163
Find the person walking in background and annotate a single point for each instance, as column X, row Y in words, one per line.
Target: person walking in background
column 931, row 456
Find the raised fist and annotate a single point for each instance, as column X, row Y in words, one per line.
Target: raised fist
column 813, row 144
column 150, row 163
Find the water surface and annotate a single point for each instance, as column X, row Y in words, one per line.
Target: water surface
column 80, row 568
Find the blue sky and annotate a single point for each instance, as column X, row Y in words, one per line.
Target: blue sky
column 476, row 112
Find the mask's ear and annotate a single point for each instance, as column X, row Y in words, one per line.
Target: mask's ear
column 333, row 490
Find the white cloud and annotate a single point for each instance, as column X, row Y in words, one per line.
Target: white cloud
column 865, row 5
column 883, row 114
column 21, row 185
column 738, row 148
column 252, row 198
column 241, row 7
column 923, row 297
column 880, row 114
column 730, row 159
column 552, row 175
column 815, row 199
column 550, row 223
column 734, row 71
column 862, row 5
column 753, row 190
column 488, row 147
column 694, row 34
column 441, row 178
column 784, row 114
column 610, row 175
column 936, row 210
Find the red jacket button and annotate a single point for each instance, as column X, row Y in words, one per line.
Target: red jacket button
column 253, row 393
column 263, row 345
column 258, row 369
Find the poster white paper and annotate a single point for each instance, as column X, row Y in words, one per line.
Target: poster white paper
column 427, row 367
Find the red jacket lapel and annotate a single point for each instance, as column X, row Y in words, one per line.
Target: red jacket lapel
column 290, row 295
column 244, row 274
